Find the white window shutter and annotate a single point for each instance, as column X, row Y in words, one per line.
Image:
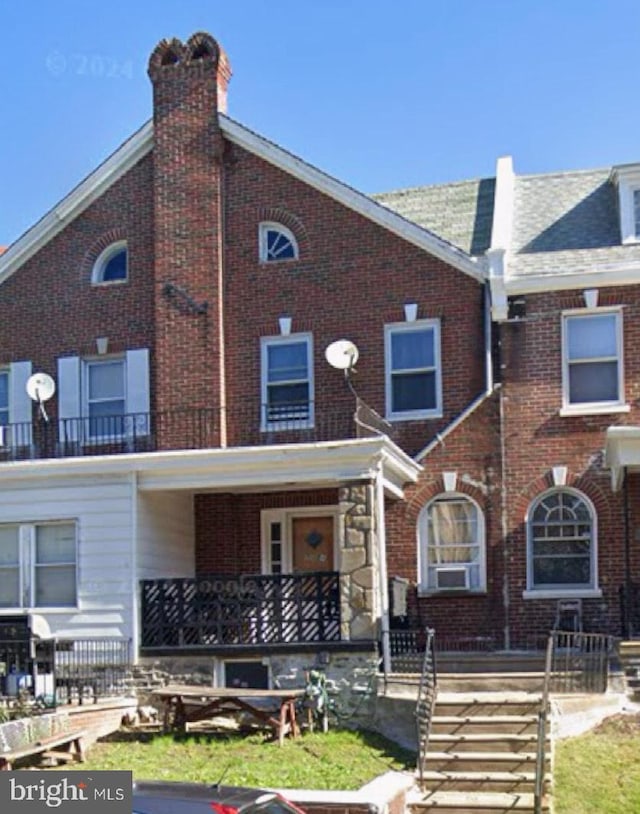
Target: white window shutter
column 20, row 405
column 138, row 390
column 69, row 403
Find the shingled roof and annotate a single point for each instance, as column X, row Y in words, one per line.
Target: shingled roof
column 563, row 223
column 461, row 212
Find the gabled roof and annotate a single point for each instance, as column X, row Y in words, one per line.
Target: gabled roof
column 141, row 143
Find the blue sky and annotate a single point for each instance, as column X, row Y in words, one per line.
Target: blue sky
column 382, row 94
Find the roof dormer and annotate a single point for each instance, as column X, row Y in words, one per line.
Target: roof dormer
column 627, row 178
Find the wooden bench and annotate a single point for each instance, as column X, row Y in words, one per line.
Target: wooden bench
column 66, row 746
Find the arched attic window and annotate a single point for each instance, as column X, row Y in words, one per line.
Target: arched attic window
column 112, row 265
column 276, row 242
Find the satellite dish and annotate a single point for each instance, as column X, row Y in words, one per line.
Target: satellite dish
column 40, row 388
column 342, row 354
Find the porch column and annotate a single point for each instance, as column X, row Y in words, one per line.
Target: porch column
column 359, row 584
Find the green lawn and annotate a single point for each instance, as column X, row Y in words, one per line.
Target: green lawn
column 599, row 773
column 337, row 759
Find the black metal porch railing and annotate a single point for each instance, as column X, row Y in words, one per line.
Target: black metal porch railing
column 579, row 662
column 64, row 670
column 219, row 610
column 191, row 428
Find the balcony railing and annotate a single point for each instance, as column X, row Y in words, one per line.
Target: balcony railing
column 218, row 610
column 192, row 428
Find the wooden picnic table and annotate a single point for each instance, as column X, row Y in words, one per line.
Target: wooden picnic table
column 184, row 704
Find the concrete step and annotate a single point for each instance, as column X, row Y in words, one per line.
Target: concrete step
column 514, row 782
column 480, row 761
column 490, row 682
column 513, row 662
column 472, row 704
column 474, row 803
column 497, row 724
column 482, row 742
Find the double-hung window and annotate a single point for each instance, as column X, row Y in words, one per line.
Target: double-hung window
column 38, row 565
column 592, row 360
column 562, row 545
column 105, row 398
column 413, row 370
column 287, row 381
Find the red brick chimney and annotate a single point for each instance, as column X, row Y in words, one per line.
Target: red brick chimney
column 189, row 89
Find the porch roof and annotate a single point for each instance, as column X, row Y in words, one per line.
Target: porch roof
column 241, row 469
column 622, row 453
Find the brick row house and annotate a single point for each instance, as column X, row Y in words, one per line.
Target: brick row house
column 207, row 480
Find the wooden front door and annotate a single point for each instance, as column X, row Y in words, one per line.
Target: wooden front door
column 312, row 543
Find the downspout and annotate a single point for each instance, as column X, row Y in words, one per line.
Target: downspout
column 488, row 388
column 504, row 522
column 382, row 571
column 136, row 603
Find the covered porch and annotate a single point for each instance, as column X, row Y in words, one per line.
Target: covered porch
column 286, row 551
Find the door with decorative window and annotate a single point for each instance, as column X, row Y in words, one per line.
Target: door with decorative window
column 300, row 555
column 312, row 544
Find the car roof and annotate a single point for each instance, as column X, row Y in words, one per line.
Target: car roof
column 197, row 792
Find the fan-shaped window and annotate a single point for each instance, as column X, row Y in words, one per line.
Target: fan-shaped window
column 112, row 265
column 451, row 545
column 277, row 243
column 562, row 545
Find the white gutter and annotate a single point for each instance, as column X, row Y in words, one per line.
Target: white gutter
column 471, row 408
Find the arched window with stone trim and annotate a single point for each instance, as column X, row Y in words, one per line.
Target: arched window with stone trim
column 451, row 545
column 561, row 543
column 276, row 242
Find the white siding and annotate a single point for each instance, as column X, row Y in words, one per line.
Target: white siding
column 166, row 535
column 103, row 511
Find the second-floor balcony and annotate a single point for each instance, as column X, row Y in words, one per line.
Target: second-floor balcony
column 186, row 429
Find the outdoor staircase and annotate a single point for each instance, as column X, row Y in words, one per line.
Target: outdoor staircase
column 629, row 654
column 481, row 756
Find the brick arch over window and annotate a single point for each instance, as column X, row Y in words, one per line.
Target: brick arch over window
column 424, row 493
column 275, row 214
column 595, row 493
column 97, row 247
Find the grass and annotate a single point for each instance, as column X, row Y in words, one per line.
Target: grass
column 599, row 772
column 338, row 759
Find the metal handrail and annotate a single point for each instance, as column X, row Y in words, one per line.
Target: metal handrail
column 427, row 693
column 541, row 747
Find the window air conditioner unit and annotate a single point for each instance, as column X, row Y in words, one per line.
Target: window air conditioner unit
column 452, row 578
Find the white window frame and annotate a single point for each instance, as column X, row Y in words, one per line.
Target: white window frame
column 628, row 181
column 285, row 423
column 263, row 247
column 390, row 330
column 428, row 585
column 591, row 407
column 99, row 267
column 19, row 409
column 28, row 565
column 87, row 364
column 547, row 591
column 285, row 518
